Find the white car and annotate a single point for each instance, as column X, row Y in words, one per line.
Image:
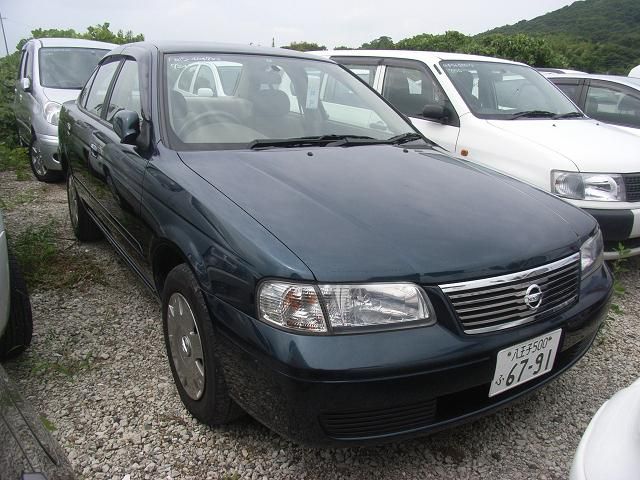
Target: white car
column 635, row 72
column 506, row 116
column 208, row 79
column 15, row 308
column 610, row 446
column 611, row 99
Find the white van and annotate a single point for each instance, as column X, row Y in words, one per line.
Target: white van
column 507, row 116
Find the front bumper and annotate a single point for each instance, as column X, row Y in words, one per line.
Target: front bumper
column 376, row 387
column 618, row 227
column 48, row 145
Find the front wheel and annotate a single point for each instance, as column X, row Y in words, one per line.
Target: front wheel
column 17, row 335
column 40, row 170
column 191, row 343
column 84, row 228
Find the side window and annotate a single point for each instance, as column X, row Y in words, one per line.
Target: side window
column 184, row 82
column 570, row 90
column 22, row 64
column 126, row 91
column 82, row 98
column 205, row 79
column 411, row 89
column 25, row 63
column 100, row 86
column 29, row 64
column 337, row 92
column 613, row 106
column 366, row 72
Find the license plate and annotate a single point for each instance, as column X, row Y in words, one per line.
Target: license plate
column 525, row 361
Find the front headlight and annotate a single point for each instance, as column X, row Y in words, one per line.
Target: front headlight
column 52, row 112
column 341, row 308
column 588, row 186
column 592, row 254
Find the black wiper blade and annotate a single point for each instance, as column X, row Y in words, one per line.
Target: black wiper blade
column 404, row 138
column 321, row 140
column 569, row 115
column 533, row 114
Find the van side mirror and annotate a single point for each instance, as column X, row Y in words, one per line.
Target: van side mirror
column 26, row 84
column 435, row 112
column 126, row 124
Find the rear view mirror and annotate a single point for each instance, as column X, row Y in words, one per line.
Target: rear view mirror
column 435, row 112
column 26, row 84
column 126, row 124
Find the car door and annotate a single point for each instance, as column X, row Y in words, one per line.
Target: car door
column 410, row 86
column 21, row 97
column 572, row 88
column 118, row 188
column 613, row 103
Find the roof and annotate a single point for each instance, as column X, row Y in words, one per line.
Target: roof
column 427, row 57
column 214, row 47
column 628, row 81
column 74, row 42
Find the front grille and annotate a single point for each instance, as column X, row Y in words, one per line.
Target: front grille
column 632, row 186
column 379, row 422
column 496, row 303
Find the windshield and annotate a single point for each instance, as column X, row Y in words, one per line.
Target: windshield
column 68, row 67
column 507, row 91
column 244, row 100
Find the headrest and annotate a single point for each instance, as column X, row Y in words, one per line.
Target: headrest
column 272, row 103
column 177, row 104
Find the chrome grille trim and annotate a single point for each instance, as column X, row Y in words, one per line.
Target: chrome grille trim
column 497, row 303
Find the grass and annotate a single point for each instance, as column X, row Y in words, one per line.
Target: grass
column 48, row 424
column 21, row 198
column 47, row 264
column 15, row 159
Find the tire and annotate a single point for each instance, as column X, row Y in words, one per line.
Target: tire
column 84, row 228
column 207, row 399
column 38, row 167
column 17, row 335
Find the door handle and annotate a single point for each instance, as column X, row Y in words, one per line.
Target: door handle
column 94, row 149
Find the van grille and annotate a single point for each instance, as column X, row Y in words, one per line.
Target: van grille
column 497, row 303
column 632, row 186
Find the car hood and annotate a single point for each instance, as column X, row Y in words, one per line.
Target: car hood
column 61, row 95
column 385, row 213
column 589, row 144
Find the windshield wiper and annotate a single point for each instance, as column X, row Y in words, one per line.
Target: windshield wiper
column 404, row 138
column 533, row 114
column 569, row 115
column 321, row 140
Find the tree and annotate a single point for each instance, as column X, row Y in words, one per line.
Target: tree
column 99, row 32
column 304, row 46
column 380, row 43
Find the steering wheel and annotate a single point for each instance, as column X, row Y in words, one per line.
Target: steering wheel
column 211, row 116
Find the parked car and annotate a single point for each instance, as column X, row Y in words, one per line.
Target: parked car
column 27, row 449
column 610, row 445
column 505, row 116
column 343, row 284
column 609, row 98
column 210, row 79
column 52, row 71
column 635, row 72
column 16, row 323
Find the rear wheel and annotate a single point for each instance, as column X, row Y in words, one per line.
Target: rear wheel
column 17, row 335
column 36, row 160
column 191, row 344
column 84, row 228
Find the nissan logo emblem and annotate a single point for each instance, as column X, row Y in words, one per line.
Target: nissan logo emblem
column 533, row 296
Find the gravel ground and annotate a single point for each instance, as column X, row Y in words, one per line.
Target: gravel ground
column 97, row 371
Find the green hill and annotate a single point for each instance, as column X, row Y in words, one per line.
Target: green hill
column 594, row 35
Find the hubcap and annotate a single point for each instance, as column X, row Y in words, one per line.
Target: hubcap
column 185, row 346
column 37, row 160
column 73, row 201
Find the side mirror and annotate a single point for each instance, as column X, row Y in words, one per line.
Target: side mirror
column 435, row 112
column 205, row 92
column 126, row 124
column 26, row 84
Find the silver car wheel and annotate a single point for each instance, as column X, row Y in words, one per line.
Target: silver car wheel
column 186, row 346
column 37, row 160
column 72, row 195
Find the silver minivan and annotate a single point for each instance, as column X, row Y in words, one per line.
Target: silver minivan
column 52, row 71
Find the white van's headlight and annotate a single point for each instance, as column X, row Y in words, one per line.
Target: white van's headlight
column 52, row 112
column 592, row 254
column 607, row 187
column 341, row 308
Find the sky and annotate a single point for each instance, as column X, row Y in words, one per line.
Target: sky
column 327, row 22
